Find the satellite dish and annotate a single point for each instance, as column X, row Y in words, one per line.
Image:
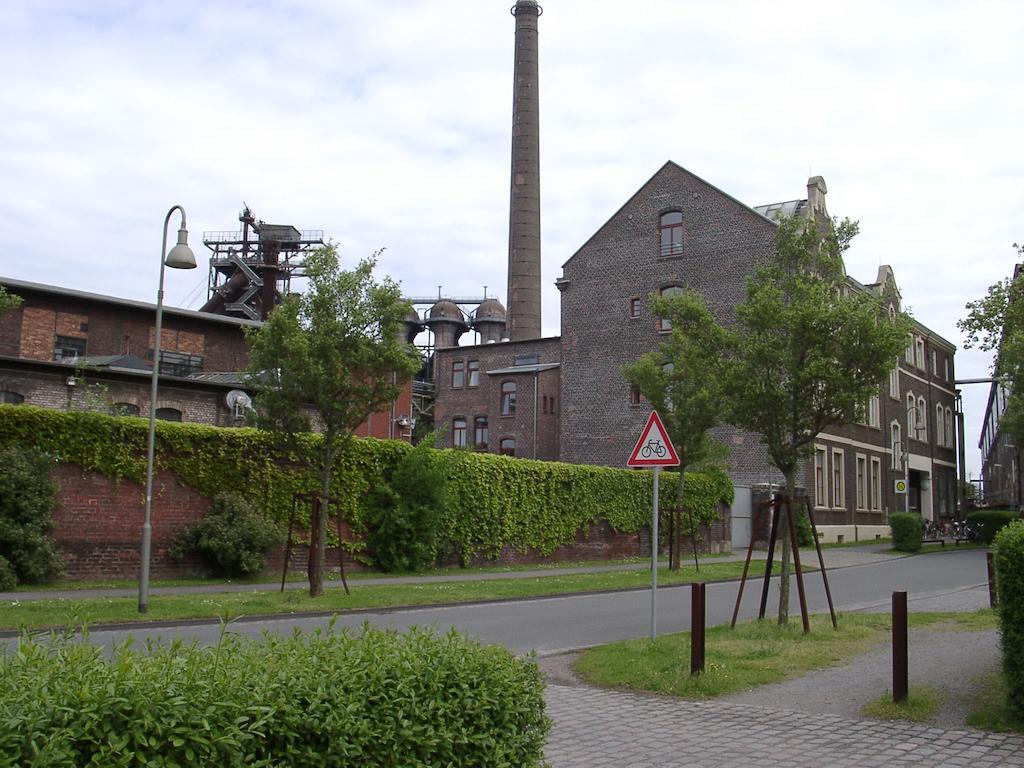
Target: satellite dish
column 238, row 400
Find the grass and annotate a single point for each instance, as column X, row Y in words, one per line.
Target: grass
column 921, row 704
column 990, row 711
column 753, row 654
column 365, row 595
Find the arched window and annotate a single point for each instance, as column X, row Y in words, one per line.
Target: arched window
column 949, row 428
column 508, row 446
column 126, row 409
column 940, row 425
column 896, row 445
column 7, row 397
column 508, row 398
column 459, row 432
column 922, row 409
column 664, row 324
column 168, row 414
column 480, row 436
column 671, row 227
column 911, row 416
column 894, row 381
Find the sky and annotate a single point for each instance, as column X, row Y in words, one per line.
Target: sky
column 387, row 123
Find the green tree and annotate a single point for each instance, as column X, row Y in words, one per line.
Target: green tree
column 681, row 380
column 8, row 301
column 332, row 355
column 995, row 323
column 27, row 499
column 807, row 351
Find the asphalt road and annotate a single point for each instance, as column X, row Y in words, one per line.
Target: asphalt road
column 943, row 580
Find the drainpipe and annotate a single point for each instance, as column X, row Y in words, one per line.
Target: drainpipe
column 536, row 381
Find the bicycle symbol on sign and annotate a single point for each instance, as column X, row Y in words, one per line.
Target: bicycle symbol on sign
column 653, row 448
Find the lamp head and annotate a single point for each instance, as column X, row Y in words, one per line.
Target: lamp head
column 181, row 256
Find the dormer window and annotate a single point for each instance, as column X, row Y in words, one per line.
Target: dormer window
column 672, row 233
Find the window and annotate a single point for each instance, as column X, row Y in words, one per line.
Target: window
column 894, row 381
column 634, row 307
column 935, row 363
column 911, row 416
column 634, row 396
column 820, row 477
column 544, row 404
column 946, row 361
column 458, row 374
column 508, row 398
column 874, row 406
column 838, row 479
column 919, row 346
column 664, row 324
column 68, row 348
column 876, row 484
column 671, row 233
column 949, row 428
column 922, row 410
column 507, row 446
column 473, row 367
column 7, row 397
column 910, row 350
column 459, row 432
column 862, row 481
column 897, row 446
column 125, row 409
column 480, row 436
column 168, row 414
column 178, row 363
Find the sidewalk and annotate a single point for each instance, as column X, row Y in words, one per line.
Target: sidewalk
column 834, row 558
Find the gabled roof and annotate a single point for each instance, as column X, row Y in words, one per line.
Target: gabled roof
column 668, row 164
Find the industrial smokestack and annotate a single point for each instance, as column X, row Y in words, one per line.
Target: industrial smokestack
column 523, row 319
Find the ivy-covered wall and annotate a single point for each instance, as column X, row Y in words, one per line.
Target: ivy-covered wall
column 498, row 507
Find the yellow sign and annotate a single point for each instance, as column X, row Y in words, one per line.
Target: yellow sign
column 900, row 486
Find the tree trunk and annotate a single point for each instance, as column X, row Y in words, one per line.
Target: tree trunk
column 678, row 515
column 784, row 535
column 316, row 578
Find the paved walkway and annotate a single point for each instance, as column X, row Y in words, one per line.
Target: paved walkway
column 600, row 729
column 834, row 558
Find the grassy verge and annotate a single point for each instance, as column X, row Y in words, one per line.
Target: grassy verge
column 922, row 702
column 753, row 654
column 990, row 712
column 49, row 613
column 271, row 577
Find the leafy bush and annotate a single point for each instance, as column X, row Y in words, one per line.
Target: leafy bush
column 403, row 515
column 375, row 700
column 1008, row 556
column 232, row 538
column 27, row 499
column 984, row 524
column 8, row 579
column 906, row 531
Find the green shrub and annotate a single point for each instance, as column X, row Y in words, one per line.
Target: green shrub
column 906, row 531
column 27, row 499
column 375, row 700
column 403, row 514
column 1008, row 556
column 984, row 524
column 233, row 538
column 8, row 579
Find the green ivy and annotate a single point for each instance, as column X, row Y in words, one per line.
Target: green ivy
column 493, row 502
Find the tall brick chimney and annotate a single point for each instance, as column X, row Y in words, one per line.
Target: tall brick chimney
column 523, row 318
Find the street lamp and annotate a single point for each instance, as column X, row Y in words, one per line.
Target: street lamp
column 180, row 257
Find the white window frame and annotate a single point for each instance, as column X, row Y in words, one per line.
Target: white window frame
column 950, row 439
column 909, row 354
column 838, row 488
column 876, row 484
column 911, row 415
column 874, row 411
column 862, row 480
column 896, row 444
column 922, row 408
column 821, row 496
column 894, row 381
column 940, row 425
column 919, row 352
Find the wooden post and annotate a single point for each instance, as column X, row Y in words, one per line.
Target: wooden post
column 821, row 562
column 697, row 616
column 791, row 518
column 899, row 647
column 743, row 582
column 776, row 509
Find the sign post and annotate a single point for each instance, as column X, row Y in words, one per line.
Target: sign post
column 655, row 450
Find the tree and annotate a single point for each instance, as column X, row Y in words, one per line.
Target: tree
column 8, row 301
column 807, row 351
column 333, row 353
column 681, row 381
column 995, row 323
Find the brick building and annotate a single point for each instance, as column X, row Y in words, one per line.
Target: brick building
column 676, row 232
column 74, row 350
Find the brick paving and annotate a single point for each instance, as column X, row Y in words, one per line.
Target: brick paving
column 597, row 728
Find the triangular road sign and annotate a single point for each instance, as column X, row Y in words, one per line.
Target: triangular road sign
column 653, row 449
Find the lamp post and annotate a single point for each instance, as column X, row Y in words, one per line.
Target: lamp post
column 180, row 257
